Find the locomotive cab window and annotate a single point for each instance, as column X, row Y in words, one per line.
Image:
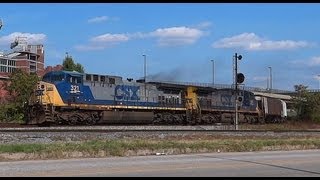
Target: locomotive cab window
column 75, row 79
column 46, row 78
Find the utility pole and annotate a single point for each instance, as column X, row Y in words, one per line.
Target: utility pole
column 212, row 72
column 145, row 76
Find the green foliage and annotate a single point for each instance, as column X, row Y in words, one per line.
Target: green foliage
column 20, row 87
column 10, row 113
column 69, row 65
column 79, row 68
column 307, row 104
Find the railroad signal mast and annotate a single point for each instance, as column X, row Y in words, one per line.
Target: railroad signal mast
column 238, row 79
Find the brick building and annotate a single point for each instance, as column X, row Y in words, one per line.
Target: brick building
column 29, row 58
column 53, row 68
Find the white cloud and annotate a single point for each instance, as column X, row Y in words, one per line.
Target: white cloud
column 316, row 77
column 110, row 38
column 250, row 41
column 310, row 62
column 314, row 61
column 177, row 35
column 203, row 25
column 138, row 35
column 165, row 36
column 31, row 38
column 98, row 19
column 102, row 19
column 102, row 42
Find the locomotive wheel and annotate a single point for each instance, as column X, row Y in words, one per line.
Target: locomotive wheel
column 74, row 119
column 90, row 121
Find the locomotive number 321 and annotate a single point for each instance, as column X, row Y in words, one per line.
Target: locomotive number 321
column 74, row 89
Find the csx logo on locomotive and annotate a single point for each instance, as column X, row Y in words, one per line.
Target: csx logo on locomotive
column 125, row 92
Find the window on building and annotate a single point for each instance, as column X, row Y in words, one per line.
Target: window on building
column 3, row 69
column 3, row 61
column 33, row 68
column 33, row 57
column 11, row 69
column 11, row 63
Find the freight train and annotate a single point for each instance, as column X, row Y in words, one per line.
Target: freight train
column 64, row 97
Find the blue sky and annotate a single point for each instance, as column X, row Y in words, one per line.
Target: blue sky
column 179, row 39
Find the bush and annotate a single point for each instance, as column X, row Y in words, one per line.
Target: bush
column 11, row 113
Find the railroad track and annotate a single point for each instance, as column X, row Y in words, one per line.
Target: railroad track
column 226, row 128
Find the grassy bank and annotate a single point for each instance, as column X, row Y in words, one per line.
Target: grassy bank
column 289, row 125
column 103, row 148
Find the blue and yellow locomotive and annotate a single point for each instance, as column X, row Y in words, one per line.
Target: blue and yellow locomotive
column 64, row 97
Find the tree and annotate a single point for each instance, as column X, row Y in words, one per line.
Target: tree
column 69, row 65
column 300, row 101
column 307, row 104
column 20, row 87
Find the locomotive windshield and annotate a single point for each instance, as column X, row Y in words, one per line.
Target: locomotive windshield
column 74, row 79
column 53, row 77
column 58, row 76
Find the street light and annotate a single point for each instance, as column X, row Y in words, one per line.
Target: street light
column 212, row 72
column 270, row 75
column 319, row 80
column 145, row 75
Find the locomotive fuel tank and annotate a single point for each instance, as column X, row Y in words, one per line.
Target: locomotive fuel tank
column 126, row 117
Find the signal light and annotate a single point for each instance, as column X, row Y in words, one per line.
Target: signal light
column 240, row 78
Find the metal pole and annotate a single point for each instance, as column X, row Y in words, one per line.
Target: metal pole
column 270, row 77
column 319, row 80
column 212, row 72
column 236, row 91
column 145, row 76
